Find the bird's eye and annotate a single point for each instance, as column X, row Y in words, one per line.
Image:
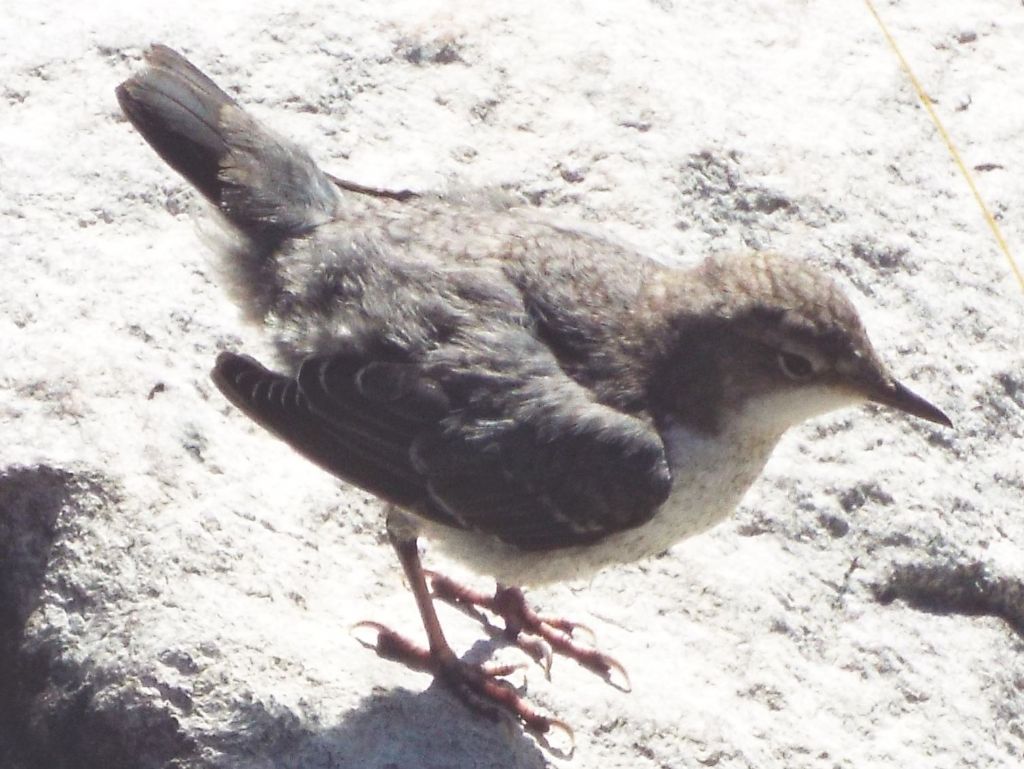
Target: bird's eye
column 796, row 367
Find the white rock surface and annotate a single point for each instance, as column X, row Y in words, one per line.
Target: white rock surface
column 177, row 589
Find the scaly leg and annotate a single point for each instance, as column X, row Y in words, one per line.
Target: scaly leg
column 479, row 686
column 509, row 603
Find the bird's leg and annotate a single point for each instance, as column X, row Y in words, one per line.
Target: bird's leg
column 479, row 686
column 555, row 633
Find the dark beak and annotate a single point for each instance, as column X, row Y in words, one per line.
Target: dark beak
column 896, row 395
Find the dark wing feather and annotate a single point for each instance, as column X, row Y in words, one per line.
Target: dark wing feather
column 349, row 450
column 551, row 485
column 541, row 471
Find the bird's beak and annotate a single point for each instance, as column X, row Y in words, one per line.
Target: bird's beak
column 898, row 396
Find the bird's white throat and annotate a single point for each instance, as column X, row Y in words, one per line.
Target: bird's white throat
column 774, row 413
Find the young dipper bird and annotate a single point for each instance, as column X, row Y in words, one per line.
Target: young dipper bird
column 538, row 400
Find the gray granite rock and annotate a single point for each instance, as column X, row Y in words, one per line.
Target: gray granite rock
column 177, row 589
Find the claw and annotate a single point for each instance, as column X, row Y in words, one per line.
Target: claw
column 572, row 629
column 540, row 637
column 391, row 646
column 377, row 628
column 481, row 687
column 615, row 667
column 555, row 725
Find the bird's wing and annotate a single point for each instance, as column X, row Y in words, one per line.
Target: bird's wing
column 523, row 454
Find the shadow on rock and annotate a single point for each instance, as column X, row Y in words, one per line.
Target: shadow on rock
column 60, row 708
column 971, row 588
column 31, row 500
column 49, row 716
column 388, row 729
column 395, row 729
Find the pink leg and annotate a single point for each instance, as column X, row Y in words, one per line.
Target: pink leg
column 509, row 603
column 479, row 686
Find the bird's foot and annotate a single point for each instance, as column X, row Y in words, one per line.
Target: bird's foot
column 537, row 635
column 480, row 686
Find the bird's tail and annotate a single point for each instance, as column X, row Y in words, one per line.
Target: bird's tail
column 266, row 186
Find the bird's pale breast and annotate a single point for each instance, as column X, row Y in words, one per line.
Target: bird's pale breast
column 710, row 476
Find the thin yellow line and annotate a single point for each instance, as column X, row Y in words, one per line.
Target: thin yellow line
column 949, row 144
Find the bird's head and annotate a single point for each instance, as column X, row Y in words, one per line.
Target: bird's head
column 782, row 343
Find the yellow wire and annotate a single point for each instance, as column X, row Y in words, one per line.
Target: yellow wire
column 952, row 148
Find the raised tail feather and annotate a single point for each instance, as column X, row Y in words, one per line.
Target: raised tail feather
column 265, row 185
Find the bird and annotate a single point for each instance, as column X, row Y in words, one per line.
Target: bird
column 537, row 399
